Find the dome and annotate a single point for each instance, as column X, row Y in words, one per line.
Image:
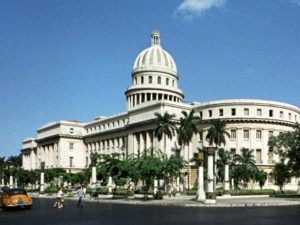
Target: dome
column 155, row 58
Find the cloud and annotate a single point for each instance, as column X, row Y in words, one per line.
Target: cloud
column 191, row 9
column 297, row 2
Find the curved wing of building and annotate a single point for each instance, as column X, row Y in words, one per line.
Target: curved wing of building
column 154, row 89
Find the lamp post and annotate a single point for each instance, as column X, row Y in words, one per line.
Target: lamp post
column 226, row 184
column 2, row 179
column 210, row 195
column 200, row 192
column 42, row 181
column 11, row 179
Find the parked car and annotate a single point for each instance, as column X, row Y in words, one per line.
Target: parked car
column 14, row 198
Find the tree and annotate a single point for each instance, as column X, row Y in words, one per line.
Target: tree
column 261, row 177
column 216, row 133
column 223, row 159
column 165, row 127
column 281, row 174
column 287, row 145
column 187, row 128
column 244, row 167
column 173, row 168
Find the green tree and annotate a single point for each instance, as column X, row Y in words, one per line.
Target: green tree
column 261, row 177
column 216, row 133
column 165, row 127
column 187, row 128
column 173, row 168
column 244, row 168
column 287, row 145
column 223, row 159
column 281, row 174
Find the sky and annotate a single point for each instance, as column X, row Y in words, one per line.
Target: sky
column 72, row 59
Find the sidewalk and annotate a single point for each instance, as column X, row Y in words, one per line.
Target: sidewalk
column 189, row 201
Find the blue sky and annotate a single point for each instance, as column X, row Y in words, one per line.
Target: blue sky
column 62, row 60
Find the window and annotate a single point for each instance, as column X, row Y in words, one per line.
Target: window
column 281, row 114
column 167, row 81
column 233, row 112
column 258, row 134
column 246, row 112
column 290, row 116
column 270, row 156
column 142, row 80
column 246, row 134
column 173, row 83
column 259, row 112
column 221, row 112
column 135, row 81
column 258, row 156
column 71, row 162
column 200, row 114
column 271, row 133
column 150, row 80
column 233, row 134
column 86, row 161
column 71, row 146
column 232, row 153
column 201, row 136
column 71, row 130
column 159, row 80
column 270, row 113
column 210, row 113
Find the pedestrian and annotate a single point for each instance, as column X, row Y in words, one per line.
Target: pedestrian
column 59, row 199
column 80, row 194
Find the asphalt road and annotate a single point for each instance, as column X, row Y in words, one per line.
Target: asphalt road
column 93, row 213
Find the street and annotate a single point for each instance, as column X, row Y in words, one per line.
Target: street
column 43, row 213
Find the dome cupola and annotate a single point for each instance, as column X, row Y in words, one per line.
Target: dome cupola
column 155, row 57
column 154, row 77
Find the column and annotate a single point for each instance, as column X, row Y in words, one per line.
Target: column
column 200, row 192
column 210, row 196
column 226, row 180
column 94, row 177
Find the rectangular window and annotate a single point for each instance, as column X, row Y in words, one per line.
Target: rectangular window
column 232, row 153
column 71, row 146
column 281, row 114
column 221, row 112
column 258, row 134
column 290, row 116
column 71, row 130
column 246, row 134
column 201, row 136
column 259, row 112
column 210, row 113
column 71, row 161
column 233, row 134
column 271, row 133
column 270, row 156
column 270, row 113
column 258, row 156
column 246, row 112
column 233, row 112
column 201, row 114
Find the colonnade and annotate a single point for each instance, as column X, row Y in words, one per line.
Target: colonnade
column 136, row 99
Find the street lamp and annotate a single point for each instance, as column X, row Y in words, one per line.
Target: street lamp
column 200, row 192
column 42, row 180
column 11, row 180
column 210, row 195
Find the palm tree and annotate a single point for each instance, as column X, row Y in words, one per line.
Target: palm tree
column 223, row 160
column 165, row 127
column 187, row 128
column 245, row 168
column 216, row 133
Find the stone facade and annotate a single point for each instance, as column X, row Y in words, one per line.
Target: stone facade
column 154, row 89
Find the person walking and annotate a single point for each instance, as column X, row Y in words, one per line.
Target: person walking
column 59, row 199
column 80, row 194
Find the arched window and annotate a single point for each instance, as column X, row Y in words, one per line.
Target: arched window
column 142, row 80
column 159, row 80
column 167, row 81
column 150, row 79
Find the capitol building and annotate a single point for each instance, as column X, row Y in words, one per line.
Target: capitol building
column 155, row 89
